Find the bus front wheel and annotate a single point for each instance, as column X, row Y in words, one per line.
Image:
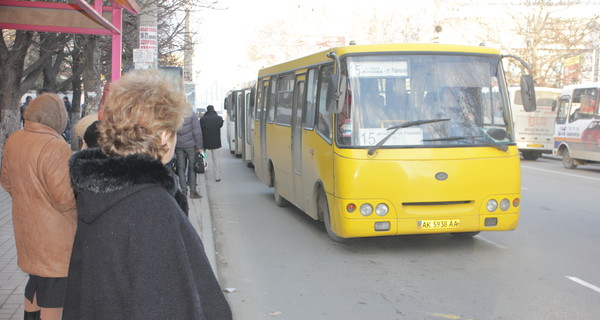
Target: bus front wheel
column 323, row 210
column 567, row 161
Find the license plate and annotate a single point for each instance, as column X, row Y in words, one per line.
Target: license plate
column 535, row 145
column 438, row 224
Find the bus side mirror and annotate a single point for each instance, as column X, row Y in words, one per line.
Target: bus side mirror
column 554, row 105
column 336, row 93
column 528, row 93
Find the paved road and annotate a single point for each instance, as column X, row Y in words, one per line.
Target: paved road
column 280, row 264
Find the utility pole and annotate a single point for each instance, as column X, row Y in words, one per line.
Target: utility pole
column 188, row 58
column 146, row 56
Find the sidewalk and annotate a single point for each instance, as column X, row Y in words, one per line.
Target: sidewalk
column 13, row 280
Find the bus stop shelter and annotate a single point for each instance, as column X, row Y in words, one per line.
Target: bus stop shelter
column 78, row 16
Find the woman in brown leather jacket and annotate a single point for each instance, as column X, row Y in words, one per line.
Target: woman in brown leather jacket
column 35, row 173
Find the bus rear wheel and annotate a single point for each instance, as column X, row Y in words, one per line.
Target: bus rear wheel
column 567, row 161
column 323, row 210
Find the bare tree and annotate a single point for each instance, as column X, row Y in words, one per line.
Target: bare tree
column 549, row 31
column 392, row 27
column 24, row 57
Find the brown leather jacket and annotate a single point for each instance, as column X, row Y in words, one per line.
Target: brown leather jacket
column 35, row 172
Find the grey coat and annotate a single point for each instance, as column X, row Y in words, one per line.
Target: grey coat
column 190, row 134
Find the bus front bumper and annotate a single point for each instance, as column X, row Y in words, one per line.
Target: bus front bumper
column 365, row 227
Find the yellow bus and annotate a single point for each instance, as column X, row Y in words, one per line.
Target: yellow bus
column 381, row 140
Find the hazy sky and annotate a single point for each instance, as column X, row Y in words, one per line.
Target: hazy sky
column 221, row 57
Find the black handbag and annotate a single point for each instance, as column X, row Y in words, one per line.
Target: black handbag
column 199, row 163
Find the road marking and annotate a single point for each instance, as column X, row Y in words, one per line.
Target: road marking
column 491, row 242
column 445, row 316
column 583, row 283
column 564, row 174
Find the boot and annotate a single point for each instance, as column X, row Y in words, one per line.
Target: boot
column 35, row 315
column 195, row 195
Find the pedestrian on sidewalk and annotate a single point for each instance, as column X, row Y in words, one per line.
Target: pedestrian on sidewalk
column 211, row 124
column 136, row 255
column 35, row 173
column 189, row 142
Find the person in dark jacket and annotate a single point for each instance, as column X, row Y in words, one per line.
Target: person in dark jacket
column 211, row 124
column 135, row 255
column 24, row 106
column 189, row 141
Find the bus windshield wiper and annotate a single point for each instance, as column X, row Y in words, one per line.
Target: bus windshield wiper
column 400, row 126
column 483, row 139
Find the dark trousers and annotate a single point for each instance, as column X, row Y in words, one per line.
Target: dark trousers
column 185, row 162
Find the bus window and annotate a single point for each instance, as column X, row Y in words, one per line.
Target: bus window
column 584, row 104
column 271, row 100
column 324, row 117
column 258, row 111
column 563, row 110
column 285, row 89
column 462, row 93
column 311, row 101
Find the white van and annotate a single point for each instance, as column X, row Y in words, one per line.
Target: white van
column 534, row 130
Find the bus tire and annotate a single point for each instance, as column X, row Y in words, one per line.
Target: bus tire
column 279, row 200
column 567, row 161
column 323, row 210
column 465, row 234
column 530, row 155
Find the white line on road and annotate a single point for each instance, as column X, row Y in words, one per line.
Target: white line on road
column 583, row 283
column 565, row 174
column 491, row 242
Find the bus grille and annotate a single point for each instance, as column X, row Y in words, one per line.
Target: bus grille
column 441, row 203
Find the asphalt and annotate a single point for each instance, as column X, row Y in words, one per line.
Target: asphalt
column 13, row 280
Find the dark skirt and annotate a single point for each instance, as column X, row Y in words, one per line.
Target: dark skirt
column 49, row 292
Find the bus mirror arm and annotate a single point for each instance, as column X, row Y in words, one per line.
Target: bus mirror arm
column 527, row 85
column 339, row 81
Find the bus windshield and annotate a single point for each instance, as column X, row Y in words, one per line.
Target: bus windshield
column 463, row 94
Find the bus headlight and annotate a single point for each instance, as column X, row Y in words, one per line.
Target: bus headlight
column 382, row 209
column 504, row 204
column 366, row 209
column 492, row 205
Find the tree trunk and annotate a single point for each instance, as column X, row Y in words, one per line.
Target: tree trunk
column 11, row 64
column 91, row 75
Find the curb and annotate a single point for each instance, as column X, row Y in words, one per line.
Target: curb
column 200, row 218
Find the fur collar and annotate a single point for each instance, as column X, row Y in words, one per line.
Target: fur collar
column 91, row 170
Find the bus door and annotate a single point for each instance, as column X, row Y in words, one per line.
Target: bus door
column 259, row 157
column 239, row 124
column 297, row 112
column 248, row 105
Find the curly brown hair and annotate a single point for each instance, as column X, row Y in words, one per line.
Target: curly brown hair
column 140, row 106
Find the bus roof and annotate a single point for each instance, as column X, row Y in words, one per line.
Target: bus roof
column 566, row 90
column 321, row 57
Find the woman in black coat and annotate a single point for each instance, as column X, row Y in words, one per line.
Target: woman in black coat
column 136, row 255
